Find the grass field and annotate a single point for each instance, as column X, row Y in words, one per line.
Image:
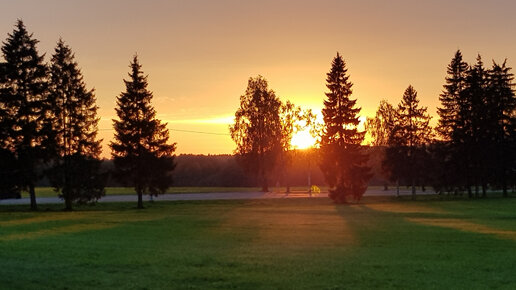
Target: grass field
column 49, row 191
column 278, row 244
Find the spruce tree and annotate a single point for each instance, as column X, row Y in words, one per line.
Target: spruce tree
column 343, row 162
column 140, row 150
column 469, row 135
column 501, row 119
column 25, row 111
column 455, row 82
column 76, row 165
column 410, row 134
column 257, row 130
column 448, row 169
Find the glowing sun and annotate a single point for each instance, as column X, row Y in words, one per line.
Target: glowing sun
column 302, row 140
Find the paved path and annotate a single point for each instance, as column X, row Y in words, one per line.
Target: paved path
column 211, row 196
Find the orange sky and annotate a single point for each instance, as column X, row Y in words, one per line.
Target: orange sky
column 199, row 54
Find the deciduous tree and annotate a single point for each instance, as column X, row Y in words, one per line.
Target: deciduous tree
column 380, row 126
column 257, row 130
column 290, row 117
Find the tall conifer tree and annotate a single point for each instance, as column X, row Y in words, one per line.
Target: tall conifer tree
column 76, row 167
column 469, row 134
column 342, row 160
column 410, row 134
column 450, row 97
column 24, row 105
column 501, row 118
column 142, row 156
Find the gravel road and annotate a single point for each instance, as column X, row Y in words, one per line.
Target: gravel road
column 212, row 196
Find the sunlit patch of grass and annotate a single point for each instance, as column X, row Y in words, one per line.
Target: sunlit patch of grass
column 307, row 228
column 464, row 225
column 60, row 216
column 398, row 207
column 56, row 231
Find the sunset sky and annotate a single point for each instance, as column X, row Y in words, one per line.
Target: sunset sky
column 199, row 54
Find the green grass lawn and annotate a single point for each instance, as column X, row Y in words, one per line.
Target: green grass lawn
column 271, row 244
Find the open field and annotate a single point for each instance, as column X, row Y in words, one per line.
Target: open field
column 286, row 244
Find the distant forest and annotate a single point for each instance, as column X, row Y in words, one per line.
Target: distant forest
column 224, row 171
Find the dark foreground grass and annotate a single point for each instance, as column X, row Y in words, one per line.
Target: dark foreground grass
column 278, row 244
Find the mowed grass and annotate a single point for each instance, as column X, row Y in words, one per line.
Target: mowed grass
column 262, row 244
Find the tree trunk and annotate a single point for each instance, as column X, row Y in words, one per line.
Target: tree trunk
column 265, row 185
column 504, row 186
column 32, row 193
column 484, row 190
column 68, row 203
column 140, row 199
column 309, row 176
column 413, row 190
column 398, row 188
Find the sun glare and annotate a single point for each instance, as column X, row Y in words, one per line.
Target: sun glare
column 302, row 140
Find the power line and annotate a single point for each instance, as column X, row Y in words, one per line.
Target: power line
column 200, row 132
column 185, row 131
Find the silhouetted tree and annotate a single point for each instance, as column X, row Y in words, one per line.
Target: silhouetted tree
column 379, row 128
column 468, row 136
column 75, row 171
column 410, row 134
column 450, row 97
column 257, row 130
column 342, row 160
column 446, row 169
column 9, row 183
column 501, row 126
column 25, row 123
column 476, row 148
column 290, row 116
column 141, row 154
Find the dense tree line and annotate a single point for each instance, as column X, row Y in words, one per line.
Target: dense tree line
column 472, row 148
column 48, row 128
column 48, row 120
